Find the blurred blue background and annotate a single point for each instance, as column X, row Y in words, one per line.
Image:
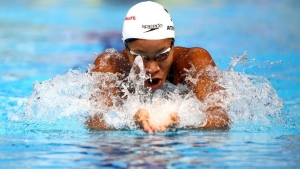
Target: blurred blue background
column 40, row 39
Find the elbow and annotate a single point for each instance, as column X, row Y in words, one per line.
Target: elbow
column 217, row 120
column 218, row 123
column 96, row 122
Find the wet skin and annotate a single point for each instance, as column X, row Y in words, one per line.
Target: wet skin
column 157, row 70
column 173, row 69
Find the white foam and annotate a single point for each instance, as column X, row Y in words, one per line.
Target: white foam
column 247, row 98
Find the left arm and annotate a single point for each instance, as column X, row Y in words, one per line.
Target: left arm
column 199, row 60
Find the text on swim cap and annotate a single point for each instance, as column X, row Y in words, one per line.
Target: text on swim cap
column 170, row 27
column 156, row 26
column 130, row 18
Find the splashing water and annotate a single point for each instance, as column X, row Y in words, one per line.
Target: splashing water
column 251, row 102
column 159, row 104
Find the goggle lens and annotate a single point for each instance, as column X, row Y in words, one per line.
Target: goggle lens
column 158, row 57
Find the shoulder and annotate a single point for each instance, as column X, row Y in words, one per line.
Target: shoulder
column 112, row 61
column 196, row 56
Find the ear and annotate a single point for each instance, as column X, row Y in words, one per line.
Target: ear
column 125, row 45
column 173, row 41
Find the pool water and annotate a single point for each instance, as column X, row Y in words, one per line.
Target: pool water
column 45, row 49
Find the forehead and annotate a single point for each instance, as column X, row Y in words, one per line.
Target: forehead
column 143, row 45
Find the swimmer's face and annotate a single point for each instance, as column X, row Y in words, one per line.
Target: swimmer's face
column 157, row 56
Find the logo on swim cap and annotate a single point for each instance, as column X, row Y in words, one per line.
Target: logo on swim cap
column 148, row 20
column 152, row 27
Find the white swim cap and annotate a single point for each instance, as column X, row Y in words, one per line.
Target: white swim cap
column 148, row 20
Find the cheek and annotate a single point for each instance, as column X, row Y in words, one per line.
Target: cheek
column 165, row 67
column 131, row 61
column 169, row 62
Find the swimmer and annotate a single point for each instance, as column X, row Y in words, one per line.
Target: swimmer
column 149, row 32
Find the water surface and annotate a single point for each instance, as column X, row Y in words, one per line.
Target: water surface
column 45, row 42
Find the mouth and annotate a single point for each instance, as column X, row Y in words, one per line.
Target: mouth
column 153, row 83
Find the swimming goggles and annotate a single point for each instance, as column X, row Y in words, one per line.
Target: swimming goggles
column 162, row 56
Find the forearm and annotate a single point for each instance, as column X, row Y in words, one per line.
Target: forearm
column 217, row 119
column 109, row 69
column 96, row 122
column 216, row 115
column 102, row 102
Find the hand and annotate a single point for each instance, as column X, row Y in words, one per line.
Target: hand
column 142, row 119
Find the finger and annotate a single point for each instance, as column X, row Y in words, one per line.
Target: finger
column 154, row 128
column 168, row 123
column 174, row 117
column 158, row 128
column 141, row 118
column 173, row 121
column 146, row 127
column 141, row 115
column 163, row 129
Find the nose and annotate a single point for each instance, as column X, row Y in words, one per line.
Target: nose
column 151, row 67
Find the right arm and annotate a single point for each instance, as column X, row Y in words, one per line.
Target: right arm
column 106, row 63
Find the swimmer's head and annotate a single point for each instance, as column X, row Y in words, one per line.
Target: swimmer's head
column 148, row 20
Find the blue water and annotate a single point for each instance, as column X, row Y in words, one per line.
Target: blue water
column 40, row 41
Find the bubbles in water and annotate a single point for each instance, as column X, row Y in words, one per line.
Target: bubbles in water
column 251, row 98
column 252, row 101
column 237, row 60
